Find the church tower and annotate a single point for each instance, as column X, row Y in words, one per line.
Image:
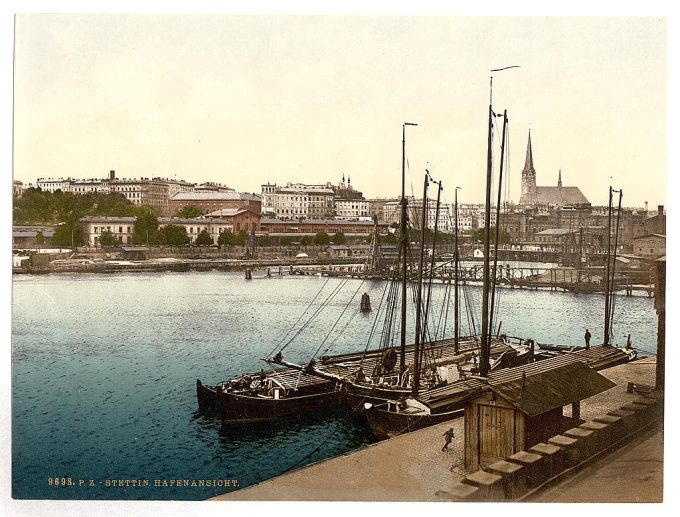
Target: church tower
column 528, row 176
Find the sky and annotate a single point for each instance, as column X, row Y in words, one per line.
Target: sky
column 246, row 100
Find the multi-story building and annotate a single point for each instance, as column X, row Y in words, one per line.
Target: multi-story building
column 298, row 201
column 121, row 227
column 351, row 209
column 210, row 201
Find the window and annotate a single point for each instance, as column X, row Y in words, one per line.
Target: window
column 120, row 229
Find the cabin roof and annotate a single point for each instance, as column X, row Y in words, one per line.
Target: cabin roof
column 548, row 384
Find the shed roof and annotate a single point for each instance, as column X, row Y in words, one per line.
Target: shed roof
column 548, row 384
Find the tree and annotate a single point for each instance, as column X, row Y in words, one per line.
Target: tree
column 68, row 234
column 321, row 239
column 339, row 238
column 204, row 239
column 146, row 229
column 286, row 241
column 306, row 240
column 39, row 239
column 189, row 212
column 264, row 241
column 241, row 238
column 108, row 239
column 173, row 235
column 225, row 239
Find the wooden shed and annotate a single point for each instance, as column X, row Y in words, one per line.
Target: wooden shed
column 523, row 406
column 134, row 252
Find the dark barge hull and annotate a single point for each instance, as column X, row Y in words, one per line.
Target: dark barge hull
column 388, row 424
column 242, row 408
column 207, row 397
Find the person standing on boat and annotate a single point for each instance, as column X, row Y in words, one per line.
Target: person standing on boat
column 448, row 436
column 587, row 338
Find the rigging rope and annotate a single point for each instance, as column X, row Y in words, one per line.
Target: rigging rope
column 299, row 318
column 318, row 310
column 339, row 317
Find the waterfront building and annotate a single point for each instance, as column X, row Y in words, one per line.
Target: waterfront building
column 194, row 226
column 650, row 246
column 557, row 196
column 240, row 218
column 121, row 227
column 27, row 236
column 310, row 227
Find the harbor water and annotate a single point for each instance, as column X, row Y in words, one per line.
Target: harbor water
column 104, row 369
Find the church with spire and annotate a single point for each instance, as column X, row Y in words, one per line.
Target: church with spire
column 558, row 196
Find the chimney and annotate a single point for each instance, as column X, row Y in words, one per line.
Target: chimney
column 112, row 175
column 646, row 206
column 661, row 218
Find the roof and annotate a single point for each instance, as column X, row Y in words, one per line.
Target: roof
column 107, row 219
column 658, row 235
column 559, row 196
column 329, row 222
column 134, row 248
column 555, row 231
column 33, row 233
column 229, row 212
column 545, row 385
column 215, row 196
column 338, row 247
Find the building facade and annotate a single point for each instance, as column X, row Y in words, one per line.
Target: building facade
column 211, row 201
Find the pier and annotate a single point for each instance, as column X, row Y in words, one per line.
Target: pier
column 412, row 467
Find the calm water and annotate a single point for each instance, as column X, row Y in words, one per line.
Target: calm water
column 104, row 371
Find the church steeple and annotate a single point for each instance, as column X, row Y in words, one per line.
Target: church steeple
column 529, row 161
column 528, row 175
column 559, row 179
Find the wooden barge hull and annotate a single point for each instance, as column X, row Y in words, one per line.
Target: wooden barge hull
column 234, row 407
column 388, row 424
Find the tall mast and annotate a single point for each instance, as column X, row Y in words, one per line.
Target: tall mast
column 404, row 247
column 455, row 273
column 485, row 352
column 606, row 287
column 616, row 243
column 498, row 220
column 432, row 257
column 419, row 292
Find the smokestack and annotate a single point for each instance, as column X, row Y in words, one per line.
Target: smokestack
column 646, row 206
column 112, row 175
column 661, row 218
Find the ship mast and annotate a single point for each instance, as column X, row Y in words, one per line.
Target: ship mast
column 404, row 248
column 419, row 292
column 455, row 273
column 498, row 219
column 484, row 345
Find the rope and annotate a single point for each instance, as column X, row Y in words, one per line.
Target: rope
column 299, row 318
column 318, row 310
column 338, row 319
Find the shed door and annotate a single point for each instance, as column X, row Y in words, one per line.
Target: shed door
column 496, row 433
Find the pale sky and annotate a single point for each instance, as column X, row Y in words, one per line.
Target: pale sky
column 245, row 100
